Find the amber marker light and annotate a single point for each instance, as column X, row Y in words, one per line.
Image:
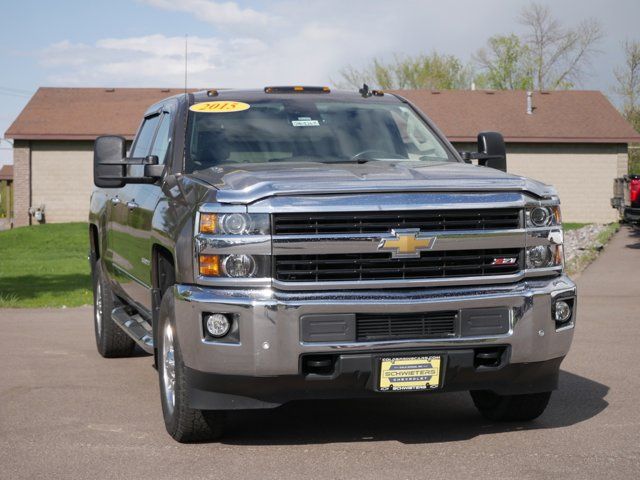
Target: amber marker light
column 209, row 265
column 208, row 222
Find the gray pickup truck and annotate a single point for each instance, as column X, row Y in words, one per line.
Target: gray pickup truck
column 297, row 243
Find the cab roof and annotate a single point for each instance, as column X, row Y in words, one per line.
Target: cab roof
column 288, row 93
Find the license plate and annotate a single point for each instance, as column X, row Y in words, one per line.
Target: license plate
column 410, row 373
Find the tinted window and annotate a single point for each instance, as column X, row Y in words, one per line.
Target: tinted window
column 145, row 137
column 311, row 130
column 161, row 143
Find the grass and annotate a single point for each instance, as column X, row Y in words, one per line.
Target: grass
column 45, row 266
column 573, row 226
column 577, row 265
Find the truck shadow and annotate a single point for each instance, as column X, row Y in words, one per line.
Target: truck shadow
column 437, row 418
column 634, row 233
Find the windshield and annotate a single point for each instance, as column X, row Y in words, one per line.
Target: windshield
column 307, row 130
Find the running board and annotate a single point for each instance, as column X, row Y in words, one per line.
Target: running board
column 135, row 326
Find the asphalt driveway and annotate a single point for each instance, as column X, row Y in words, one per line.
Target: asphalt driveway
column 65, row 412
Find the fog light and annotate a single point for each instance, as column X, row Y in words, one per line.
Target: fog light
column 562, row 312
column 239, row 266
column 218, row 325
column 538, row 257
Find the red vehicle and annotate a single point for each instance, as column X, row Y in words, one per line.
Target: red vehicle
column 626, row 198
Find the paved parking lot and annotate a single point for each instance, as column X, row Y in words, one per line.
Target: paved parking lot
column 67, row 413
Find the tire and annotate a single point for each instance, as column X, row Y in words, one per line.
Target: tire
column 184, row 424
column 111, row 341
column 510, row 408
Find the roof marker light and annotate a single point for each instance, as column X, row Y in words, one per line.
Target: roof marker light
column 296, row 89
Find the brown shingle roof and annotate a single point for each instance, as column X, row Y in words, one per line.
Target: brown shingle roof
column 561, row 116
column 558, row 117
column 84, row 113
column 6, row 172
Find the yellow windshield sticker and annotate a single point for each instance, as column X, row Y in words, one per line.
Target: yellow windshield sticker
column 219, row 107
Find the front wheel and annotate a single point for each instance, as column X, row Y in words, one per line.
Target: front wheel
column 183, row 423
column 510, row 407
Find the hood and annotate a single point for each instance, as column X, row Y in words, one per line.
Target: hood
column 251, row 182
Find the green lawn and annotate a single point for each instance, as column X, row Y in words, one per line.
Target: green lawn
column 45, row 266
column 573, row 226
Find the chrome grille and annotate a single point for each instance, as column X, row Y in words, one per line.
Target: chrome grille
column 380, row 327
column 379, row 222
column 381, row 266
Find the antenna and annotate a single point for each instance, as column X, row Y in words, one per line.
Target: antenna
column 186, row 45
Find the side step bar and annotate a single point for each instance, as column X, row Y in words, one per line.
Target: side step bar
column 135, row 326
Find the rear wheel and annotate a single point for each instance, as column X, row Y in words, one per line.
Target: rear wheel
column 111, row 341
column 510, row 407
column 183, row 423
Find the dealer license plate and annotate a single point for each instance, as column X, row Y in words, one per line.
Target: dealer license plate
column 410, row 373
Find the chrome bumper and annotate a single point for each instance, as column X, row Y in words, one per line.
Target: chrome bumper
column 268, row 322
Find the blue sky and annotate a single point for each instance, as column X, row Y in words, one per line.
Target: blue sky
column 254, row 43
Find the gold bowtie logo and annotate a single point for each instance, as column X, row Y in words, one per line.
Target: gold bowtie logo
column 406, row 243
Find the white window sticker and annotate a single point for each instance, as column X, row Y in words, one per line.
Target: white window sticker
column 305, row 122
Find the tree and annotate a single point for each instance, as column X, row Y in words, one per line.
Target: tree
column 628, row 83
column 558, row 55
column 628, row 88
column 433, row 71
column 505, row 63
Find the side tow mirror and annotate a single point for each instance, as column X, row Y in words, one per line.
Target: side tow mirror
column 109, row 165
column 492, row 150
column 111, row 169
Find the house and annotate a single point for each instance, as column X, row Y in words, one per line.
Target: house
column 575, row 140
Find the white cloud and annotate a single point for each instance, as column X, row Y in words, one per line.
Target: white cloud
column 153, row 60
column 222, row 14
column 287, row 41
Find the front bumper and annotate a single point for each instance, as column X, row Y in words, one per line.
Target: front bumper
column 269, row 349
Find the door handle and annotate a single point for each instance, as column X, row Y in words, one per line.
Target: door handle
column 132, row 205
column 115, row 200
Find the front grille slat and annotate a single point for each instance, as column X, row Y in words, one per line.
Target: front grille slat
column 405, row 326
column 381, row 266
column 380, row 222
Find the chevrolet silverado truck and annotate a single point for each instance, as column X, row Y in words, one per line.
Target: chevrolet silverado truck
column 294, row 243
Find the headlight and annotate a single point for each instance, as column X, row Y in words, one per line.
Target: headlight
column 239, row 266
column 544, row 256
column 233, row 265
column 543, row 216
column 234, row 224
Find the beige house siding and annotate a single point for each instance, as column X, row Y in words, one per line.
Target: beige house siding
column 582, row 173
column 62, row 179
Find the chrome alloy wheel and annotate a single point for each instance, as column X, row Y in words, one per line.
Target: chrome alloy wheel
column 99, row 309
column 168, row 368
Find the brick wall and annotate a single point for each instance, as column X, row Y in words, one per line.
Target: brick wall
column 21, row 182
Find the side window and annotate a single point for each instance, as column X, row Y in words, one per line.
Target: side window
column 163, row 138
column 145, row 137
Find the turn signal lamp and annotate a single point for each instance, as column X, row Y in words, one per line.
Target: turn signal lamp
column 208, row 222
column 209, row 265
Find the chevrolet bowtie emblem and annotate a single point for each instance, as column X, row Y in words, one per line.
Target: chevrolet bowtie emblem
column 406, row 243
